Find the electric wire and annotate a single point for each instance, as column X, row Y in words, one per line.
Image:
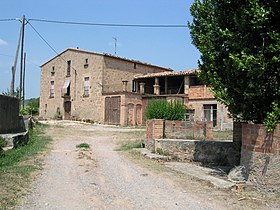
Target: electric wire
column 28, row 61
column 43, row 38
column 7, row 19
column 47, row 43
column 109, row 24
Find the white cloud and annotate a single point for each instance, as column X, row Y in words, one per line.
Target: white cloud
column 2, row 42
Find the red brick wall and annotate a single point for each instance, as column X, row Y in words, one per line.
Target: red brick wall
column 260, row 154
column 255, row 138
column 200, row 92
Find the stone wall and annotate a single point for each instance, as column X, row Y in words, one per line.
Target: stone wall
column 260, row 154
column 9, row 115
column 214, row 153
column 157, row 129
column 188, row 130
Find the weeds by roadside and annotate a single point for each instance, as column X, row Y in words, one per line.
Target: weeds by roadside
column 83, row 145
column 18, row 167
column 128, row 145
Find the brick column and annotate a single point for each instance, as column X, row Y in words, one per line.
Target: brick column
column 260, row 154
column 154, row 130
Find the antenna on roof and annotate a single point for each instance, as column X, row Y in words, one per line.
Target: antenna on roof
column 116, row 40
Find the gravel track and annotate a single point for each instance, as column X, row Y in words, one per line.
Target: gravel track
column 99, row 178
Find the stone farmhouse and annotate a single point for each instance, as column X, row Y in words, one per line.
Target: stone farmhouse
column 108, row 89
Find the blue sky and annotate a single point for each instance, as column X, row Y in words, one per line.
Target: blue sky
column 168, row 47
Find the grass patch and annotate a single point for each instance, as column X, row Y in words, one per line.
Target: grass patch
column 129, row 145
column 19, row 166
column 83, row 145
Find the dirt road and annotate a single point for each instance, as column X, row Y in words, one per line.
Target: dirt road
column 101, row 178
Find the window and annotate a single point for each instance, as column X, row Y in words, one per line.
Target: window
column 135, row 65
column 52, row 90
column 46, row 106
column 68, row 68
column 210, row 113
column 86, row 87
column 86, row 63
column 52, row 72
column 66, row 88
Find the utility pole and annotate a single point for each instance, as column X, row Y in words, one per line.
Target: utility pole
column 23, row 81
column 21, row 61
column 14, row 67
column 115, row 38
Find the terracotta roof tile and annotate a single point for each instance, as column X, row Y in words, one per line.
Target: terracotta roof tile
column 164, row 74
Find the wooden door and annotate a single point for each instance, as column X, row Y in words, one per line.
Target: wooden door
column 67, row 110
column 112, row 110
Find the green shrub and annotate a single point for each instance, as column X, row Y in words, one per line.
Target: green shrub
column 161, row 109
column 272, row 118
column 83, row 145
column 2, row 142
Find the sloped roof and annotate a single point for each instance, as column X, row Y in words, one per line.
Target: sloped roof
column 166, row 74
column 107, row 55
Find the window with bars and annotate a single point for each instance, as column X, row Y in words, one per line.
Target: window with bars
column 86, row 87
column 52, row 90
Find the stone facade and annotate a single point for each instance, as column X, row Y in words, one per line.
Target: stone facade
column 75, row 83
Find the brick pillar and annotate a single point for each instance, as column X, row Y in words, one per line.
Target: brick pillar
column 154, row 130
column 260, row 154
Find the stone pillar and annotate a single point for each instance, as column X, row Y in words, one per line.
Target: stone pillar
column 187, row 84
column 124, row 82
column 156, row 86
column 142, row 88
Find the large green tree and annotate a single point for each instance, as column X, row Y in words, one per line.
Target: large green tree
column 239, row 41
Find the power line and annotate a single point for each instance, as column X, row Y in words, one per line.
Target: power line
column 7, row 55
column 110, row 24
column 47, row 43
column 43, row 38
column 28, row 61
column 7, row 19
